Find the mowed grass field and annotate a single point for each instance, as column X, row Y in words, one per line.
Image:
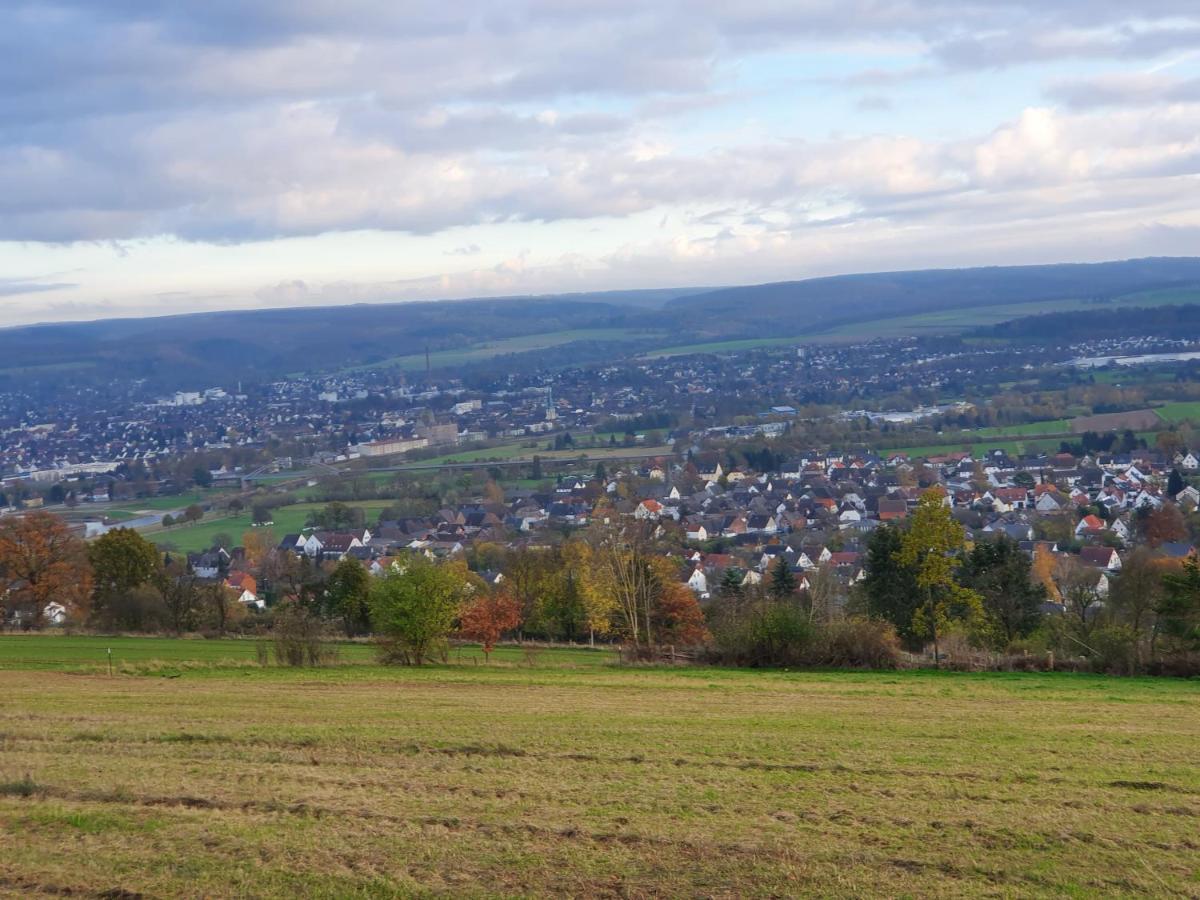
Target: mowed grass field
column 598, row 780
column 288, row 520
column 503, row 346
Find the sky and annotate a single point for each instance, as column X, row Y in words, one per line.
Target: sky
column 178, row 156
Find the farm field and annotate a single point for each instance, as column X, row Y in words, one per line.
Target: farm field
column 971, row 441
column 1174, row 413
column 723, row 346
column 598, row 781
column 521, row 344
column 961, row 319
column 1025, row 429
column 288, row 520
column 517, row 453
column 89, row 653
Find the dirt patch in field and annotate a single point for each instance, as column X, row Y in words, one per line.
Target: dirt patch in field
column 1135, row 420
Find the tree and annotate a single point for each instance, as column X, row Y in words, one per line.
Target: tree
column 622, row 569
column 180, row 595
column 822, row 593
column 1042, row 572
column 1169, row 442
column 730, row 585
column 222, row 539
column 599, row 606
column 1025, row 480
column 1138, row 590
column 218, row 600
column 1076, row 585
column 932, row 549
column 41, row 562
column 783, row 582
column 168, row 520
column 258, row 544
column 347, row 594
column 486, row 617
column 890, row 589
column 202, row 477
column 493, row 492
column 415, row 608
column 1175, row 483
column 1179, row 609
column 121, row 561
column 535, row 471
column 1162, row 525
column 193, row 513
column 999, row 572
column 677, row 617
column 260, row 513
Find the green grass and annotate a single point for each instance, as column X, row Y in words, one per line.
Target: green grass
column 1010, row 447
column 1174, row 413
column 951, row 320
column 723, row 346
column 970, row 441
column 510, row 780
column 1026, row 429
column 516, row 452
column 89, row 653
column 288, row 520
column 523, row 344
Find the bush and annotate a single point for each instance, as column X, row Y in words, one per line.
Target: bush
column 1115, row 649
column 299, row 639
column 857, row 644
column 773, row 634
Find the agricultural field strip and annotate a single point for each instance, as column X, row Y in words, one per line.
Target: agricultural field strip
column 618, row 780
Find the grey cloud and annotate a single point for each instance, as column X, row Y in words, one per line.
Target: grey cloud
column 873, row 103
column 1134, row 89
column 228, row 121
column 20, row 288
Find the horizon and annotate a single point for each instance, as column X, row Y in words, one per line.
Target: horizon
column 594, row 296
column 217, row 157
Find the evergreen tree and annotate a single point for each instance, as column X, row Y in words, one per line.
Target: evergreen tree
column 890, row 589
column 730, row 587
column 1175, row 483
column 783, row 582
column 999, row 572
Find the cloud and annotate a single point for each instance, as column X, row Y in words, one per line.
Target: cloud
column 228, row 122
column 1132, row 89
column 21, row 288
column 873, row 103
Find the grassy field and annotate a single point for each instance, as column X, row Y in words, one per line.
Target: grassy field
column 524, row 343
column 596, row 781
column 972, row 442
column 1026, row 429
column 723, row 346
column 1179, row 412
column 288, row 520
column 951, row 320
column 516, row 452
column 89, row 654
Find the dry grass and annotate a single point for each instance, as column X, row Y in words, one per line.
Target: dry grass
column 603, row 782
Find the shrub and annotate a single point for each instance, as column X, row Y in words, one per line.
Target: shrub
column 772, row 634
column 1114, row 650
column 299, row 639
column 857, row 644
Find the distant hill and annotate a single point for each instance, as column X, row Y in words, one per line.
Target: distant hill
column 223, row 347
column 799, row 307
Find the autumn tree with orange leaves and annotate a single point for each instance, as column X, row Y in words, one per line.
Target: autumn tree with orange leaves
column 486, row 617
column 42, row 562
